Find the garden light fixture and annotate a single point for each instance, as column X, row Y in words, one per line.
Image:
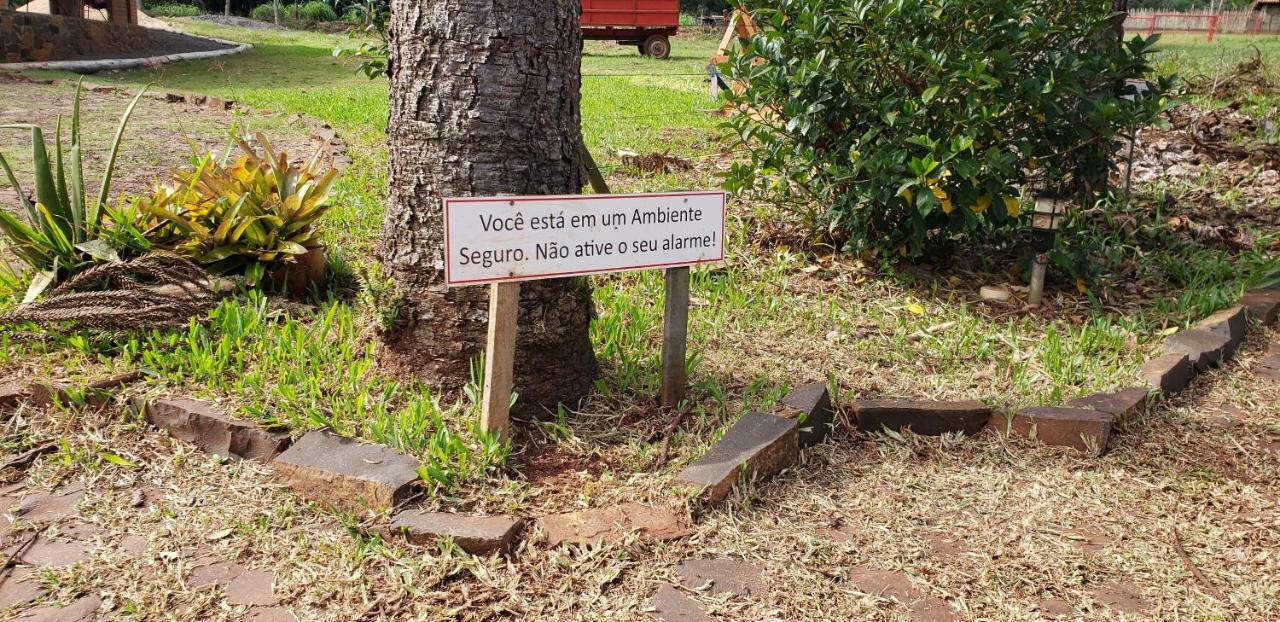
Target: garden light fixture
column 1049, row 211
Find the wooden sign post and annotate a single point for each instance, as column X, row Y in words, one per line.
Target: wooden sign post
column 675, row 332
column 675, row 318
column 501, row 241
column 499, row 365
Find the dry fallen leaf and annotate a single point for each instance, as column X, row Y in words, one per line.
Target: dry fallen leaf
column 218, row 535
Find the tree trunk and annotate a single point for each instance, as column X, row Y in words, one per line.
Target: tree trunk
column 226, row 9
column 484, row 101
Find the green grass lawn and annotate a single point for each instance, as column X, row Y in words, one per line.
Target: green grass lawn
column 1197, row 61
column 772, row 316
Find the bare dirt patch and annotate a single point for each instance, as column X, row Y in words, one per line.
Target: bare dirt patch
column 160, row 137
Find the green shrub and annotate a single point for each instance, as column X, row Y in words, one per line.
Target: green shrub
column 314, row 11
column 265, row 12
column 174, row 10
column 898, row 124
column 309, row 12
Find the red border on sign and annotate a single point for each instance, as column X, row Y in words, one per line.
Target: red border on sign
column 448, row 249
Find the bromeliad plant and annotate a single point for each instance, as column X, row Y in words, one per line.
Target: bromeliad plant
column 259, row 213
column 62, row 231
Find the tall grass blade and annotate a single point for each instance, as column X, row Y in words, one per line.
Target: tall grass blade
column 77, row 197
column 39, row 283
column 27, row 205
column 75, row 114
column 46, row 191
column 95, row 210
column 26, row 240
column 60, row 174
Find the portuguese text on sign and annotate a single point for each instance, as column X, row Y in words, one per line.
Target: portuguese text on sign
column 491, row 240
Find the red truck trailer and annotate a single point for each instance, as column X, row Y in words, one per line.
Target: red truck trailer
column 646, row 24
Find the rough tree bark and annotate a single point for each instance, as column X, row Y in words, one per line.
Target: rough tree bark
column 484, row 101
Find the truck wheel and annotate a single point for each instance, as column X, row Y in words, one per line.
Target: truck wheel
column 657, row 46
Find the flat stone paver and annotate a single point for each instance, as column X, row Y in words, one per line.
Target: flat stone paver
column 671, row 605
column 134, row 545
column 721, row 576
column 209, row 571
column 1268, row 366
column 326, row 467
column 270, row 614
column 612, row 524
column 41, row 507
column 1121, row 597
column 47, row 553
column 922, row 607
column 19, row 587
column 83, row 609
column 253, row 587
column 1055, row 608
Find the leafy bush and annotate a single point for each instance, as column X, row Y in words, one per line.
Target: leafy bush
column 63, row 231
column 314, row 11
column 704, row 7
column 903, row 123
column 309, row 12
column 259, row 213
column 174, row 10
column 265, row 12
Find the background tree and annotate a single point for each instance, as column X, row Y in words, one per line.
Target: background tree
column 904, row 127
column 1119, row 12
column 484, row 101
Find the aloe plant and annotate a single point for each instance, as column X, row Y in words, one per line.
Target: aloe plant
column 59, row 233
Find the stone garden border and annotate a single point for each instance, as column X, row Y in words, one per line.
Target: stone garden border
column 119, row 64
column 760, row 445
column 354, row 475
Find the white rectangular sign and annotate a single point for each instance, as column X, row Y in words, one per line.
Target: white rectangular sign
column 488, row 240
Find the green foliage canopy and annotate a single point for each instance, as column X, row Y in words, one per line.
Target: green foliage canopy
column 909, row 121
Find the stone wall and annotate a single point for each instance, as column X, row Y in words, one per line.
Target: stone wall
column 36, row 37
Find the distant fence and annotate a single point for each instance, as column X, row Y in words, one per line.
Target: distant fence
column 1151, row 21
